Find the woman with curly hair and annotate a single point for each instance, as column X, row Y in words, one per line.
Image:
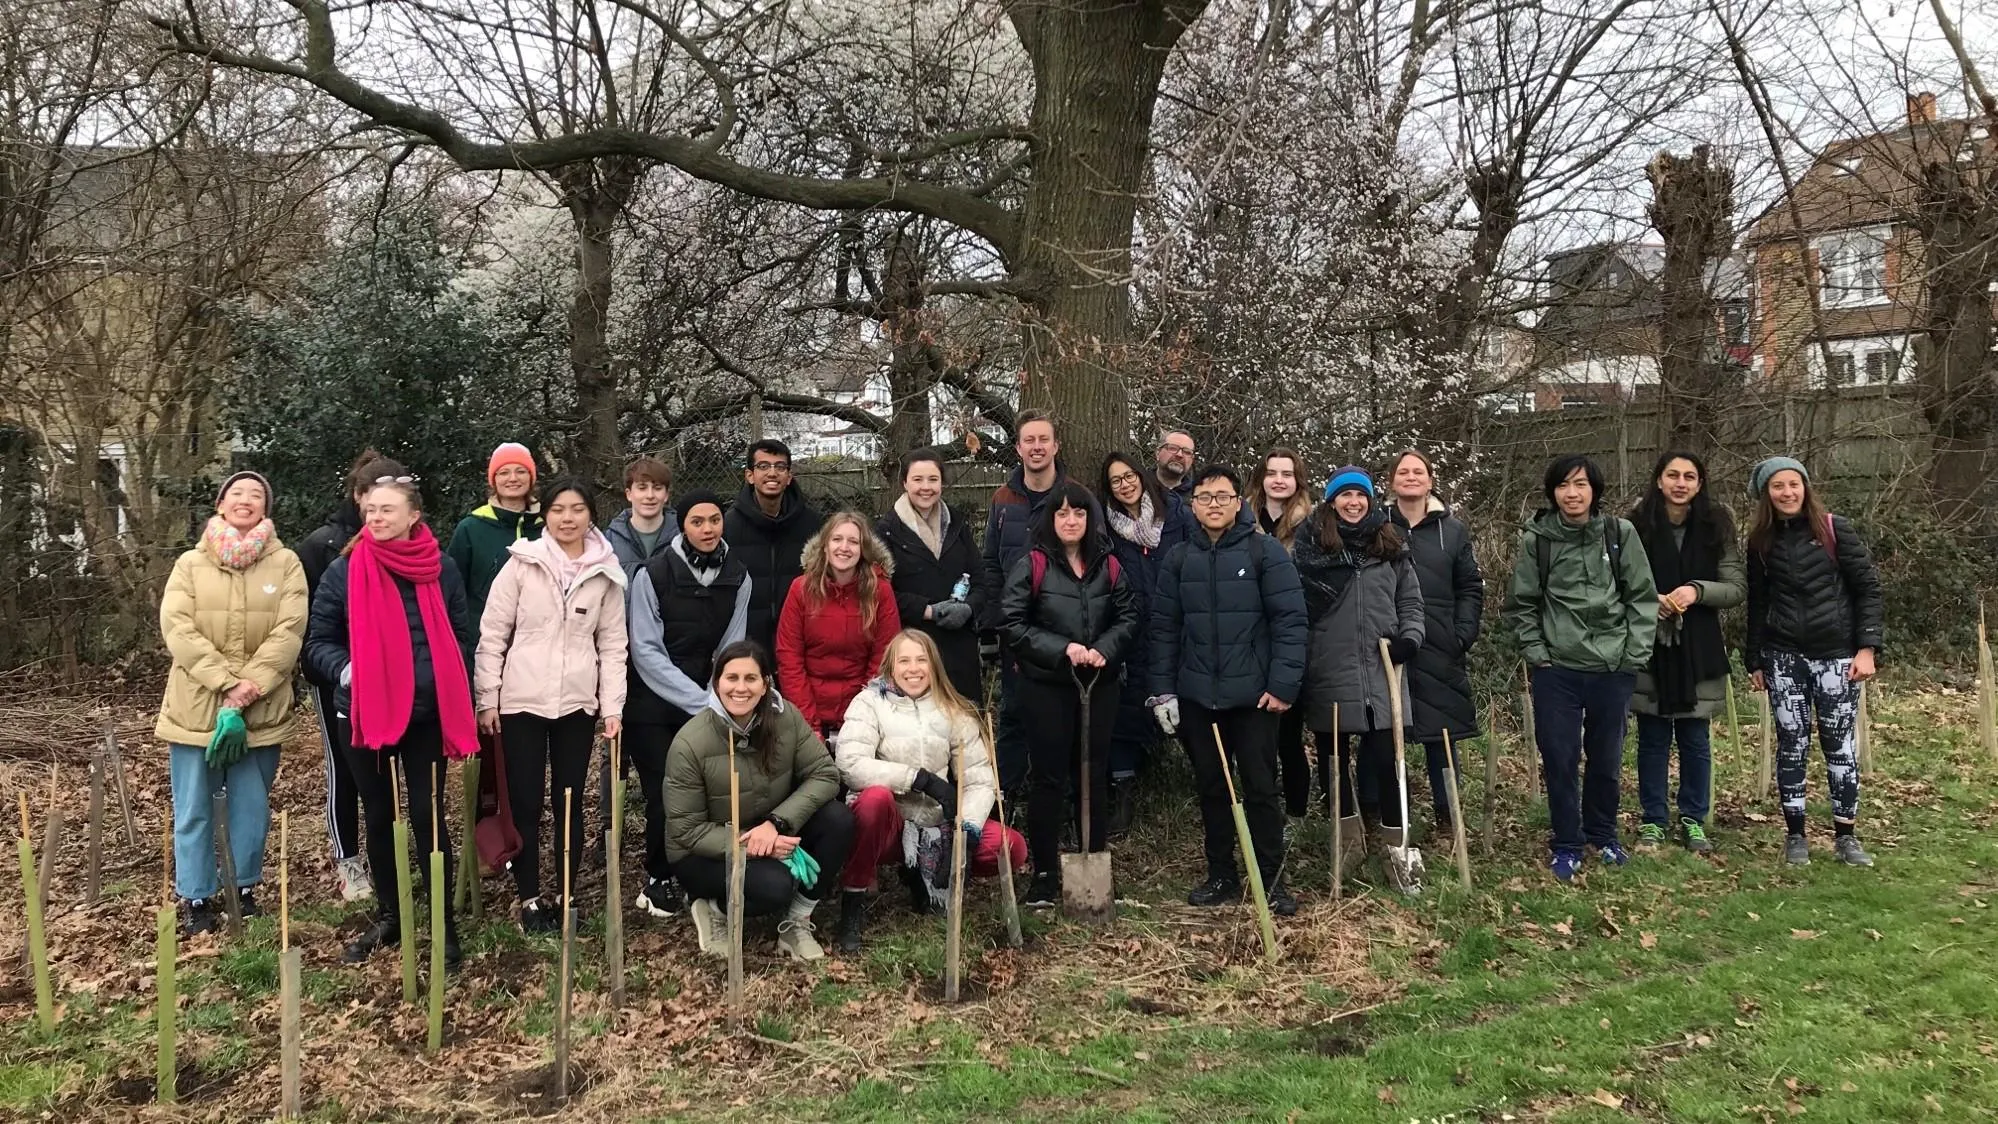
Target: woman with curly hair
column 836, row 621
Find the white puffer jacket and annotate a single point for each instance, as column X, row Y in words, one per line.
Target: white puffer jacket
column 887, row 736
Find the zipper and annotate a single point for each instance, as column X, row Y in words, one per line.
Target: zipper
column 1213, row 606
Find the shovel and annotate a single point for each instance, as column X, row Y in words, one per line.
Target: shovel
column 1406, row 859
column 1086, row 893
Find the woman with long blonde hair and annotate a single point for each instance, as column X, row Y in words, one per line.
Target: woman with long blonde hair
column 837, row 618
column 898, row 753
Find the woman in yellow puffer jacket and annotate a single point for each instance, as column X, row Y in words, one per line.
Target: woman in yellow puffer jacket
column 233, row 618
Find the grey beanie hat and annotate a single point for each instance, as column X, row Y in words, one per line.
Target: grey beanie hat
column 270, row 497
column 1760, row 475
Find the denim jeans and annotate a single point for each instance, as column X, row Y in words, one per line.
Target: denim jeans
column 1579, row 715
column 197, row 876
column 1655, row 736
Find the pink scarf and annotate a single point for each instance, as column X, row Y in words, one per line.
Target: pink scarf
column 236, row 549
column 384, row 684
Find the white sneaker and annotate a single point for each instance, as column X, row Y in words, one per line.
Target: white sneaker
column 794, row 936
column 355, row 885
column 711, row 925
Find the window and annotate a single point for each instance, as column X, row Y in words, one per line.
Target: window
column 1865, row 361
column 1852, row 267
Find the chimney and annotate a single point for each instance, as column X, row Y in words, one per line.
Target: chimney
column 1921, row 109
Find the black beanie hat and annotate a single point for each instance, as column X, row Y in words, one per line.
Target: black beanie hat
column 691, row 500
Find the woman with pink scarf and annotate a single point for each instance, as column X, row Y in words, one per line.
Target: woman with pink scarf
column 550, row 664
column 391, row 625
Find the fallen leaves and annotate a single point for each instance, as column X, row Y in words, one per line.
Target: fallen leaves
column 1805, row 934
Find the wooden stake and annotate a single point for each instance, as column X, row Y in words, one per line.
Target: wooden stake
column 1734, row 732
column 1256, row 889
column 405, row 895
column 291, row 968
column 735, row 876
column 225, row 861
column 164, row 1069
column 1491, row 778
column 1463, row 843
column 51, row 841
column 284, row 880
column 38, row 949
column 563, row 1000
column 437, row 921
column 954, row 911
column 1334, row 791
column 614, row 882
column 1527, row 734
column 93, row 840
column 1987, row 696
column 1009, row 902
column 1864, row 732
column 470, row 890
column 115, row 762
column 1765, row 769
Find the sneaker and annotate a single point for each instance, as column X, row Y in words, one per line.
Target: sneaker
column 661, row 898
column 1696, row 836
column 352, row 875
column 538, row 918
column 386, row 932
column 1216, row 891
column 795, row 939
column 711, row 926
column 246, row 900
column 1566, row 863
column 200, row 916
column 1044, row 891
column 1650, row 836
column 1282, row 902
column 1123, row 806
column 1796, row 852
column 1847, row 850
column 852, row 921
column 1613, row 853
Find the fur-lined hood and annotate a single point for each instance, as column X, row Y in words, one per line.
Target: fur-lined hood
column 873, row 551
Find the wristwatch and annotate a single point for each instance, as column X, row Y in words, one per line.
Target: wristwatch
column 782, row 825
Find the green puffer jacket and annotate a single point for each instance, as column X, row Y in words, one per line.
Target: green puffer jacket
column 802, row 778
column 480, row 544
column 1729, row 592
column 1578, row 621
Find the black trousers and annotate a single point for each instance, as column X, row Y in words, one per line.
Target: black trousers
column 1365, row 764
column 343, row 804
column 645, row 746
column 557, row 751
column 767, row 884
column 1295, row 760
column 1251, row 737
column 1052, row 713
column 420, row 754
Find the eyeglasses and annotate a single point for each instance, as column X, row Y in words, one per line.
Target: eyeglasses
column 1124, row 478
column 1221, row 500
column 1175, row 447
column 770, row 466
column 395, row 479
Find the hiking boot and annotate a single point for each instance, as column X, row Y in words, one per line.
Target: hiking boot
column 1123, row 806
column 1044, row 891
column 386, row 932
column 795, row 933
column 1566, row 863
column 246, row 900
column 1796, row 852
column 1650, row 836
column 352, row 875
column 538, row 918
column 1218, row 890
column 1613, row 853
column 1282, row 902
column 852, row 920
column 711, row 926
column 454, row 954
column 202, row 915
column 1696, row 837
column 661, row 898
column 1847, row 850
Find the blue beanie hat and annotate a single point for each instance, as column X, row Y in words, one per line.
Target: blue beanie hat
column 1350, row 476
column 1761, row 474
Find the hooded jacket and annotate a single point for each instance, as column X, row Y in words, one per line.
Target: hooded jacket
column 1804, row 601
column 1009, row 528
column 772, row 549
column 1382, row 599
column 1453, row 596
column 631, row 553
column 1093, row 610
column 549, row 651
column 479, row 547
column 888, row 736
column 922, row 579
column 222, row 626
column 1578, row 621
column 676, row 624
column 327, row 542
column 825, row 652
column 801, row 779
column 1227, row 621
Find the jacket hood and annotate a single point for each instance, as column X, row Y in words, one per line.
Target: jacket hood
column 597, row 556
column 715, row 704
column 1432, row 511
column 789, row 508
column 1236, row 532
column 346, row 519
column 872, row 553
column 621, row 529
column 504, row 517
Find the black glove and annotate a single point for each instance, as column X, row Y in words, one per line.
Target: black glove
column 1401, row 649
column 939, row 790
column 940, row 878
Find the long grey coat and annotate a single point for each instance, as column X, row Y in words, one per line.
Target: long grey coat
column 1383, row 599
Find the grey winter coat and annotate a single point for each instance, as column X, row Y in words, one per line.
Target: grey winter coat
column 1382, row 599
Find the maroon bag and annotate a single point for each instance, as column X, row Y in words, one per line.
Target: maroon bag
column 496, row 838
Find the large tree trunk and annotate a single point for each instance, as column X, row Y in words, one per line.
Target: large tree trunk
column 595, row 194
column 1692, row 208
column 909, row 371
column 1097, row 67
column 1959, row 226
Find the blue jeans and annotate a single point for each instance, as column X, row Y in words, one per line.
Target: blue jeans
column 1579, row 715
column 1654, row 766
column 196, row 874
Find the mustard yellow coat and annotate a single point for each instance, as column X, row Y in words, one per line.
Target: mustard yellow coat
column 223, row 625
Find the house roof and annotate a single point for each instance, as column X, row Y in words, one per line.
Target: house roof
column 1869, row 180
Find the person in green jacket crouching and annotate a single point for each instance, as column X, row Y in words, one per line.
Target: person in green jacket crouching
column 1585, row 610
column 796, row 832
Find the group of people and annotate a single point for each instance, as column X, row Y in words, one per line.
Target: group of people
column 811, row 688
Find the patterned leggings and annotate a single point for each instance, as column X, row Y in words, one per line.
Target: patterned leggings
column 1797, row 687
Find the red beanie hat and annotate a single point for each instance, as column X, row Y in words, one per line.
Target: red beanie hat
column 511, row 452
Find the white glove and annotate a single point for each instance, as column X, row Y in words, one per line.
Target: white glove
column 347, row 674
column 1166, row 709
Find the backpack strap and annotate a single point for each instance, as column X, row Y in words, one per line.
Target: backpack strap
column 1039, row 564
column 1543, row 549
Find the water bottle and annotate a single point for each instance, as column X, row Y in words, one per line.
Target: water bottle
column 962, row 589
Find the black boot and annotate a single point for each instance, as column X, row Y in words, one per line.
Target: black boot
column 852, row 919
column 1123, row 806
column 453, row 955
column 386, row 932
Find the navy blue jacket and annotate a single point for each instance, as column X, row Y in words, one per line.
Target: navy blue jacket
column 326, row 654
column 1009, row 529
column 1143, row 566
column 1228, row 621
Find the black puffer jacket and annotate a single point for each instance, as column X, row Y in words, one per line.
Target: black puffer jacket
column 772, row 550
column 1804, row 601
column 1453, row 595
column 922, row 579
column 322, row 546
column 326, row 652
column 1228, row 621
column 1092, row 611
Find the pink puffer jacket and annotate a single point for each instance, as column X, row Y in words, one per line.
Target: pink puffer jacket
column 550, row 652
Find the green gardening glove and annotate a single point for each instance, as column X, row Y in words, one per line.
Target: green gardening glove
column 804, row 868
column 231, row 740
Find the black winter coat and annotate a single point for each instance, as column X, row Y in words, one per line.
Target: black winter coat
column 1453, row 596
column 922, row 579
column 773, row 552
column 1801, row 600
column 1227, row 621
column 326, row 646
column 1009, row 529
column 1092, row 611
column 330, row 541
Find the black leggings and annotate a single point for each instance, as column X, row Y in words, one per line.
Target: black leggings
column 556, row 750
column 645, row 747
column 1366, row 771
column 767, row 884
column 1295, row 760
column 420, row 752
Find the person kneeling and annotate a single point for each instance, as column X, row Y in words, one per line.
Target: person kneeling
column 786, row 784
column 902, row 737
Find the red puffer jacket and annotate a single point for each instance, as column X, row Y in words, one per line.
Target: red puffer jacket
column 824, row 653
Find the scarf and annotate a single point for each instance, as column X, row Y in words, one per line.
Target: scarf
column 237, row 550
column 1324, row 573
column 1144, row 530
column 1690, row 648
column 931, row 530
column 383, row 689
column 706, row 566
